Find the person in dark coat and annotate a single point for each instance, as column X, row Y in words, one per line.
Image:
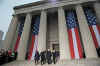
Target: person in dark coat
column 48, row 56
column 43, row 57
column 16, row 53
column 12, row 56
column 3, row 56
column 44, row 60
column 37, row 57
column 9, row 52
column 26, row 58
column 1, row 59
column 98, row 51
column 7, row 57
column 54, row 55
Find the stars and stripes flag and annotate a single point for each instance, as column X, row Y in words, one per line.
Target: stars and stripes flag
column 94, row 28
column 76, row 49
column 20, row 29
column 34, row 42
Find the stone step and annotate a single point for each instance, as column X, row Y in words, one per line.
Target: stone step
column 82, row 62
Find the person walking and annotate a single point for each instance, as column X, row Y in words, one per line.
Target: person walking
column 44, row 52
column 1, row 59
column 54, row 55
column 43, row 58
column 37, row 57
column 98, row 51
column 15, row 55
column 48, row 56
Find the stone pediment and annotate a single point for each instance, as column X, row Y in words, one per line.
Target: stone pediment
column 38, row 3
column 41, row 5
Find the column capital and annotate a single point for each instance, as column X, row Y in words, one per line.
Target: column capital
column 43, row 10
column 61, row 7
column 14, row 15
column 78, row 5
column 28, row 13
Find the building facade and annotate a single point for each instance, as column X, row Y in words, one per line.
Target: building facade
column 1, row 38
column 1, row 35
column 71, row 27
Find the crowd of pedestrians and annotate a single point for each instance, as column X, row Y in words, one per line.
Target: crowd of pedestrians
column 46, row 57
column 7, row 56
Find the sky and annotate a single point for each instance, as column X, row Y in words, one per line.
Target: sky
column 6, row 11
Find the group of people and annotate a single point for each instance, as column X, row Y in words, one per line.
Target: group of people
column 46, row 56
column 7, row 56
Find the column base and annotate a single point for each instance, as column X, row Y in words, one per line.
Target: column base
column 82, row 62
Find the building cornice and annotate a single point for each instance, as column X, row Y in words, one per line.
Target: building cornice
column 30, row 4
column 34, row 4
column 41, row 5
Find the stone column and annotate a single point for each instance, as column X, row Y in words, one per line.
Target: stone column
column 97, row 10
column 42, row 32
column 24, row 38
column 88, row 43
column 15, row 38
column 1, row 40
column 1, row 35
column 11, row 33
column 63, row 35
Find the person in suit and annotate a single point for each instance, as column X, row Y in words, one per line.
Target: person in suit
column 48, row 56
column 43, row 58
column 37, row 57
column 54, row 55
column 98, row 51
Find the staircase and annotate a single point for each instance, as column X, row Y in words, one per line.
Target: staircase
column 82, row 62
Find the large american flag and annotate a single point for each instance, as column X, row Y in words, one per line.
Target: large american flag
column 94, row 27
column 34, row 42
column 73, row 35
column 20, row 29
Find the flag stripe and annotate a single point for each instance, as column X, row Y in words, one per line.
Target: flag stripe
column 34, row 30
column 73, row 35
column 75, row 44
column 96, row 34
column 80, row 50
column 35, row 47
column 17, row 43
column 71, row 44
column 98, row 27
column 20, row 29
column 31, row 47
column 94, row 37
column 94, row 28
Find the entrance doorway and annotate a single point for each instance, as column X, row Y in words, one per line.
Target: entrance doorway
column 52, row 31
column 55, row 47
